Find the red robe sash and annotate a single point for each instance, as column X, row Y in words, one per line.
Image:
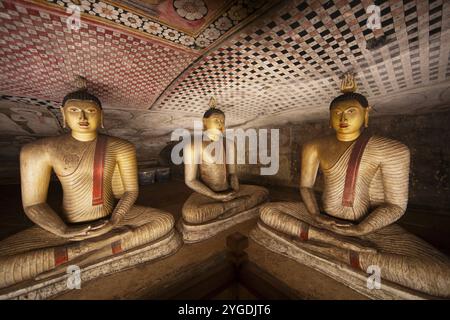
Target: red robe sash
column 99, row 164
column 352, row 170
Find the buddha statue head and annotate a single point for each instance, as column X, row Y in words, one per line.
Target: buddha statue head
column 349, row 111
column 82, row 113
column 214, row 120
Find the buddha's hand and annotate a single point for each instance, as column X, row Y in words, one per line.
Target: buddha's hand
column 352, row 230
column 90, row 231
column 225, row 196
column 342, row 242
column 101, row 227
column 74, row 232
column 330, row 223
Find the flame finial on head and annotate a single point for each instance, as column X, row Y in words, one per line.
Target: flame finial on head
column 212, row 103
column 348, row 83
column 80, row 83
column 212, row 108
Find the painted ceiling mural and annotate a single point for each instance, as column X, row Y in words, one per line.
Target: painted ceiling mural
column 155, row 63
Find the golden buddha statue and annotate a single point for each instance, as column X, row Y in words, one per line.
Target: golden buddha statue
column 219, row 201
column 365, row 193
column 99, row 219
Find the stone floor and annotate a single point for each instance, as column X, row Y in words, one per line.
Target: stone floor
column 170, row 196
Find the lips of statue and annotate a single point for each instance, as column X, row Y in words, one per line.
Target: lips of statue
column 347, row 117
column 82, row 116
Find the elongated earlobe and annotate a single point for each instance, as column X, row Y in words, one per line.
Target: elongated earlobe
column 366, row 118
column 101, row 121
column 63, row 117
column 329, row 125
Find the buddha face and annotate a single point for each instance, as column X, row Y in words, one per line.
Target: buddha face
column 347, row 117
column 82, row 116
column 215, row 123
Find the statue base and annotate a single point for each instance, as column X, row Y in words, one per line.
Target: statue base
column 193, row 233
column 52, row 286
column 356, row 280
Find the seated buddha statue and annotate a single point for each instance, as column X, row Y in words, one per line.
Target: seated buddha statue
column 365, row 192
column 219, row 201
column 99, row 219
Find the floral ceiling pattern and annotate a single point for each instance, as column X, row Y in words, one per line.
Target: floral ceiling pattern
column 191, row 9
column 188, row 9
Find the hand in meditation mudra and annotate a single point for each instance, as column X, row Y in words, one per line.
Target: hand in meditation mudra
column 365, row 193
column 98, row 174
column 219, row 200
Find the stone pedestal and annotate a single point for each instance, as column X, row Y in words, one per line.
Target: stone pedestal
column 58, row 284
column 198, row 232
column 341, row 272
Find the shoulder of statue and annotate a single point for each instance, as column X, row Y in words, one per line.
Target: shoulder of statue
column 45, row 144
column 116, row 142
column 379, row 140
column 45, row 149
column 388, row 147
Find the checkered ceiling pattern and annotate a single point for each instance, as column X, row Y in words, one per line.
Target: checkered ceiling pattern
column 293, row 58
column 284, row 60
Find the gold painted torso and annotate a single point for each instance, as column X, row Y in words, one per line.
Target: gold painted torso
column 214, row 175
column 369, row 191
column 73, row 163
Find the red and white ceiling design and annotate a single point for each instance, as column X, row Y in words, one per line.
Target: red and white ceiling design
column 155, row 64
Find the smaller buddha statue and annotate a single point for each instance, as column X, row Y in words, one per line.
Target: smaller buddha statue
column 365, row 193
column 99, row 218
column 219, row 201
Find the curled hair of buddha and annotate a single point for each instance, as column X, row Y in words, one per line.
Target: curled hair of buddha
column 212, row 111
column 348, row 88
column 350, row 96
column 81, row 93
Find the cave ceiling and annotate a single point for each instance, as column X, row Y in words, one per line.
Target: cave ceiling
column 155, row 64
